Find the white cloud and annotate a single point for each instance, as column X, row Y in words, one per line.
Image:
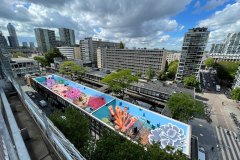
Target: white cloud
column 223, row 22
column 135, row 22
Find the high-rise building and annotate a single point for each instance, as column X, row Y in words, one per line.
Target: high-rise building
column 3, row 41
column 138, row 60
column 88, row 49
column 31, row 45
column 12, row 33
column 227, row 51
column 12, row 41
column 193, row 47
column 25, row 44
column 45, row 39
column 172, row 56
column 70, row 52
column 67, row 36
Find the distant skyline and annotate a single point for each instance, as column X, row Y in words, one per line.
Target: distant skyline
column 139, row 23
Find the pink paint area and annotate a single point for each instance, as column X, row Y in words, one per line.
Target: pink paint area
column 96, row 102
column 73, row 93
column 50, row 82
column 60, row 88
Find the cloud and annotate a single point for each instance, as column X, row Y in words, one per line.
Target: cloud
column 136, row 21
column 197, row 4
column 210, row 5
column 222, row 22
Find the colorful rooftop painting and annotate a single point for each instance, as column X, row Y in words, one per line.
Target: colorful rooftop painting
column 131, row 120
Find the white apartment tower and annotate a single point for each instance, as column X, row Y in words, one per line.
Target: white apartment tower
column 193, row 47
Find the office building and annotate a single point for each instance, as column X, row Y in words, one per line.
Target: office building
column 227, row 51
column 172, row 56
column 25, row 44
column 193, row 47
column 12, row 33
column 88, row 49
column 138, row 60
column 12, row 41
column 45, row 39
column 32, row 45
column 70, row 52
column 67, row 36
column 22, row 66
column 3, row 41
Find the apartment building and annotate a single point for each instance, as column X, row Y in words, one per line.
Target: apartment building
column 138, row 60
column 193, row 47
column 88, row 49
column 70, row 52
column 227, row 51
column 172, row 56
column 45, row 39
column 67, row 36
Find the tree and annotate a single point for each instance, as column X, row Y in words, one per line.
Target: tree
column 139, row 74
column 226, row 70
column 51, row 54
column 113, row 146
column 121, row 46
column 70, row 68
column 191, row 81
column 119, row 81
column 172, row 69
column 162, row 76
column 183, row 106
column 41, row 60
column 150, row 73
column 19, row 54
column 209, row 62
column 74, row 125
column 235, row 94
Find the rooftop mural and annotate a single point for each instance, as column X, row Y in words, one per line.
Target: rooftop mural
column 131, row 120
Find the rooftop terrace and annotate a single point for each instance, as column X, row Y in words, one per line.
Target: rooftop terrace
column 133, row 121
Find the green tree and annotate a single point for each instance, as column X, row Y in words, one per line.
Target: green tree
column 51, row 54
column 183, row 107
column 41, row 60
column 139, row 74
column 119, row 81
column 70, row 68
column 209, row 62
column 162, row 76
column 121, row 46
column 235, row 94
column 226, row 71
column 19, row 54
column 74, row 125
column 191, row 81
column 113, row 146
column 150, row 73
column 172, row 69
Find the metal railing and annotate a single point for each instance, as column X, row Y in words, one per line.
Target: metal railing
column 58, row 140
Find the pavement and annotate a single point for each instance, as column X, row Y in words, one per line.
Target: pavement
column 223, row 129
column 206, row 136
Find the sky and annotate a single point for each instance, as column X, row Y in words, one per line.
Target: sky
column 137, row 23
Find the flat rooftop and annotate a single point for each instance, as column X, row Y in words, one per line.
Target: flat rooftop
column 164, row 88
column 128, row 119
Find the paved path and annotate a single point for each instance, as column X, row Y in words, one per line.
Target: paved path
column 229, row 146
column 221, row 107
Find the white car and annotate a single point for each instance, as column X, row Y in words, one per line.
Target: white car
column 201, row 153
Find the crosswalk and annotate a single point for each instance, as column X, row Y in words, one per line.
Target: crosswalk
column 228, row 144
